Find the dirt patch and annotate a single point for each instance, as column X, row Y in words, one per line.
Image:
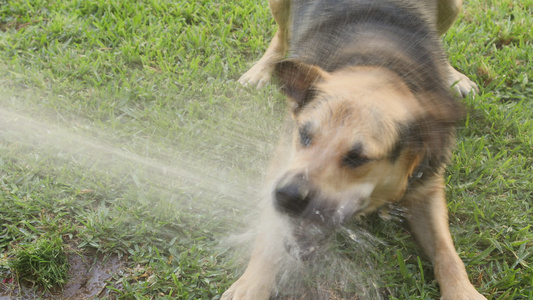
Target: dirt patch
column 87, row 279
column 89, row 276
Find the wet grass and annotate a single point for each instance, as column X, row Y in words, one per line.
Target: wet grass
column 122, row 130
column 42, row 262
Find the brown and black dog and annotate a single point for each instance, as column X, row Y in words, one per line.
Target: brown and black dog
column 373, row 119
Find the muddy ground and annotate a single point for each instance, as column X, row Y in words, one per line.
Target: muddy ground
column 88, row 276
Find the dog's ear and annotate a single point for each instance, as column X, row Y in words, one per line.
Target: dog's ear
column 297, row 80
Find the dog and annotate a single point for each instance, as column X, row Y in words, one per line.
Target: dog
column 373, row 114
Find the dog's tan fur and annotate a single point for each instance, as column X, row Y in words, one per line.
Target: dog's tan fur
column 361, row 106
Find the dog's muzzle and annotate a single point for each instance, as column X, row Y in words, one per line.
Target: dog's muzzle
column 312, row 214
column 295, row 196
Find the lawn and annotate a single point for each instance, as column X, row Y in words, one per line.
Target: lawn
column 124, row 135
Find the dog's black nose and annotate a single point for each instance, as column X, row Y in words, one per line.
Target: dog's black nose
column 292, row 195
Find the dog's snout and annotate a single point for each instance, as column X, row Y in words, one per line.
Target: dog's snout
column 292, row 195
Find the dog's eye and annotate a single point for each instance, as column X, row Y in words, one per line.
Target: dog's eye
column 305, row 135
column 353, row 159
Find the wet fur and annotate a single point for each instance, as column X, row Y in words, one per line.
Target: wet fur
column 373, row 119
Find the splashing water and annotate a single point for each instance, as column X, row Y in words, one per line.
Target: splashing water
column 340, row 268
column 173, row 171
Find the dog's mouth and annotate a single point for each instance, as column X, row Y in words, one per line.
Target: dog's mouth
column 305, row 240
column 313, row 227
column 323, row 211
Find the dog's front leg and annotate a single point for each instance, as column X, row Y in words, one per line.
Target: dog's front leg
column 259, row 277
column 429, row 223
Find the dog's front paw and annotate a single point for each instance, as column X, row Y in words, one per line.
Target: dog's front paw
column 258, row 75
column 246, row 290
column 461, row 83
column 466, row 292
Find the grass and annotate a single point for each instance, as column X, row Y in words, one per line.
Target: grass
column 42, row 262
column 122, row 130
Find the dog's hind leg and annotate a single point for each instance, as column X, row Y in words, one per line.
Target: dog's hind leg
column 429, row 223
column 259, row 74
column 447, row 12
column 460, row 82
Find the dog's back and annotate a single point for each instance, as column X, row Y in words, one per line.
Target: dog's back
column 392, row 34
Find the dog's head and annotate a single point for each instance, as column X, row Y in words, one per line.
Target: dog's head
column 360, row 135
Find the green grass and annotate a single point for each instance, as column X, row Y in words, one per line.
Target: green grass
column 42, row 262
column 122, row 130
